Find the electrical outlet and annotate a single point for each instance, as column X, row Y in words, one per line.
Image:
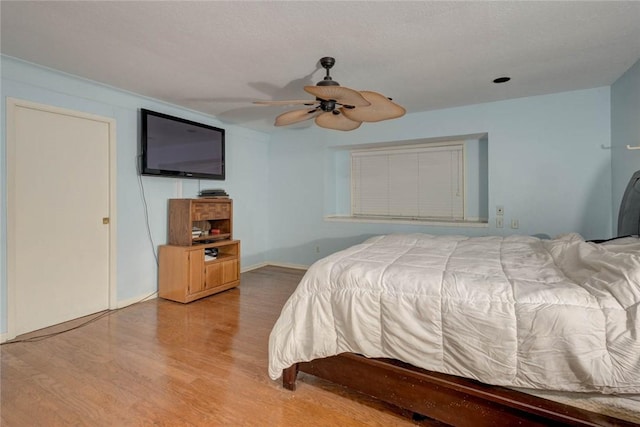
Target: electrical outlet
column 515, row 223
column 499, row 210
column 499, row 222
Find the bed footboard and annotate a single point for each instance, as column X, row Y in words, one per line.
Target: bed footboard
column 449, row 399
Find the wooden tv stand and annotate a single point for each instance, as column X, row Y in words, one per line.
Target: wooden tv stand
column 185, row 274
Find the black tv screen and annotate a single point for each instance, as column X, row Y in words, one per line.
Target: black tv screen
column 180, row 148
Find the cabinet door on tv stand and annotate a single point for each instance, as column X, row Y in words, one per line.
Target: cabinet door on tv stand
column 223, row 274
column 230, row 271
column 196, row 279
column 180, row 272
column 213, row 275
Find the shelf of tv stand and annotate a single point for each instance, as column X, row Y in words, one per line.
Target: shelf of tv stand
column 219, row 258
column 205, row 214
column 214, row 237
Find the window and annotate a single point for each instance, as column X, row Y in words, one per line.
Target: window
column 411, row 182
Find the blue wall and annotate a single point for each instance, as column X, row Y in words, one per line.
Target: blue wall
column 546, row 163
column 547, row 168
column 247, row 176
column 625, row 130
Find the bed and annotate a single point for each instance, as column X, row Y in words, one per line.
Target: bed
column 472, row 331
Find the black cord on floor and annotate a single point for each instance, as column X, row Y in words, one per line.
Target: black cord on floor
column 85, row 323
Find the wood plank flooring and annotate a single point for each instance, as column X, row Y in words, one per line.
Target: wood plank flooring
column 169, row 364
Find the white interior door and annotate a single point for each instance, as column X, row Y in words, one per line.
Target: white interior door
column 59, row 193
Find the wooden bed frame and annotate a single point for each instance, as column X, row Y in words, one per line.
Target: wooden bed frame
column 445, row 398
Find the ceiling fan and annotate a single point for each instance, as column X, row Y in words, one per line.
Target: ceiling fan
column 337, row 107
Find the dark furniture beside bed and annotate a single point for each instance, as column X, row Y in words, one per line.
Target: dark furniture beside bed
column 445, row 398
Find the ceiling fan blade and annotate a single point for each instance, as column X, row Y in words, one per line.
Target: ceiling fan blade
column 381, row 108
column 295, row 116
column 342, row 95
column 294, row 102
column 336, row 121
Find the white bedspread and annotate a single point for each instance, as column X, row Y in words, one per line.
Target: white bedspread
column 558, row 314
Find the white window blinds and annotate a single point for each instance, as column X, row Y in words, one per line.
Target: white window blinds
column 409, row 182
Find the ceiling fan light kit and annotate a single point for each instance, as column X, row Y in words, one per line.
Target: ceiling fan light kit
column 336, row 121
column 337, row 107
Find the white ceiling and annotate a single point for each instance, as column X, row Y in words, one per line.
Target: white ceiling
column 218, row 56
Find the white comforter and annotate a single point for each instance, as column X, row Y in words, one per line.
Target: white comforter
column 558, row 314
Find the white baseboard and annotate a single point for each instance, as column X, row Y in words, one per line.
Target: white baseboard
column 253, row 267
column 134, row 300
column 130, row 301
column 287, row 265
column 4, row 337
column 275, row 264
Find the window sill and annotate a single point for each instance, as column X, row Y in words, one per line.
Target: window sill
column 390, row 220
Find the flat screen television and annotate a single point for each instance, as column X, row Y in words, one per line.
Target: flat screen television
column 180, row 148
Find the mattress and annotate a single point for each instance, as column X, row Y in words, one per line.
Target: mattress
column 518, row 311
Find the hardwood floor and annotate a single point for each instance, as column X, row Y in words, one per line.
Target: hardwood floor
column 169, row 364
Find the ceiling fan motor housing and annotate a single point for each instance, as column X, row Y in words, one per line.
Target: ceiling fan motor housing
column 328, row 81
column 327, row 63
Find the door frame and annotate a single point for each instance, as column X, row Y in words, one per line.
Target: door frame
column 12, row 104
